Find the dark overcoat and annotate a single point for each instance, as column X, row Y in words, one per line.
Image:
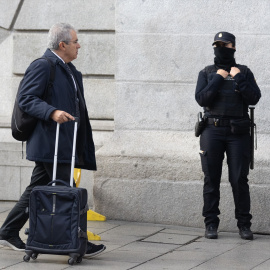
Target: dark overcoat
column 61, row 96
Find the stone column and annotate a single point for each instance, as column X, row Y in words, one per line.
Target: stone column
column 150, row 170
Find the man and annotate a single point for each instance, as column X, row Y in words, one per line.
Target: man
column 225, row 90
column 64, row 100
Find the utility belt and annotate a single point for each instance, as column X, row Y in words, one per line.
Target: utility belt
column 238, row 126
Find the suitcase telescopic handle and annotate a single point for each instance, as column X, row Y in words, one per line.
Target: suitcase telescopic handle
column 73, row 151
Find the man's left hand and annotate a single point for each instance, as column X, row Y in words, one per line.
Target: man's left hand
column 234, row 71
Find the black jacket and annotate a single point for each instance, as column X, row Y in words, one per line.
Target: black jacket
column 206, row 91
column 40, row 146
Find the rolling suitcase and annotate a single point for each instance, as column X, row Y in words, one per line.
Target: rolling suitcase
column 58, row 216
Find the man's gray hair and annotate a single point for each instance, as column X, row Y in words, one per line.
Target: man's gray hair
column 59, row 32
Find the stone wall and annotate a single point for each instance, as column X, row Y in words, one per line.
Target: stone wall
column 150, row 169
column 140, row 61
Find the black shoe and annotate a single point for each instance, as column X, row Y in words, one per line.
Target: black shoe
column 211, row 232
column 246, row 233
column 92, row 249
column 15, row 242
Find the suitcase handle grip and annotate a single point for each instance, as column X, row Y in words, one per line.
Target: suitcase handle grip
column 76, row 119
column 59, row 182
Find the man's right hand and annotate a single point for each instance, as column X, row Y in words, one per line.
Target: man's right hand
column 61, row 116
column 223, row 73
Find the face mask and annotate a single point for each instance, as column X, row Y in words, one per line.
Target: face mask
column 224, row 57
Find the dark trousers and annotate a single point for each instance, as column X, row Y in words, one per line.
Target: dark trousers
column 42, row 175
column 214, row 142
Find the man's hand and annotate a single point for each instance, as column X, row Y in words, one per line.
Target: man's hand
column 234, row 71
column 223, row 73
column 61, row 116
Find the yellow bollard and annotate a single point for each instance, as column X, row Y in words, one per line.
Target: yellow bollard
column 91, row 215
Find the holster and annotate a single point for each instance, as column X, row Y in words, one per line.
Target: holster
column 200, row 125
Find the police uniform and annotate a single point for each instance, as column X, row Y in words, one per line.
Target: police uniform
column 226, row 101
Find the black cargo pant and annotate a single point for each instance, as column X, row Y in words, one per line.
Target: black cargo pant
column 214, row 142
column 42, row 175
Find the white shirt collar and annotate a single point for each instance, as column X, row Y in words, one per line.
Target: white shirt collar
column 58, row 56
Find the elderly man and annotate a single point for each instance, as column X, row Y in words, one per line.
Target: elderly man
column 64, row 101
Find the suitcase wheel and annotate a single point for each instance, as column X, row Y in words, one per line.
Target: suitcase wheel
column 26, row 258
column 79, row 260
column 34, row 256
column 70, row 261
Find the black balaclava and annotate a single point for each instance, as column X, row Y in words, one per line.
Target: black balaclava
column 224, row 58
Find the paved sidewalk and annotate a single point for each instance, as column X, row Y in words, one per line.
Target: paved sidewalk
column 145, row 246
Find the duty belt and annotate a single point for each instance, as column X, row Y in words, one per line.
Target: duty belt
column 218, row 122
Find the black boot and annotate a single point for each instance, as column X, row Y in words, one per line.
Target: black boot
column 246, row 233
column 211, row 232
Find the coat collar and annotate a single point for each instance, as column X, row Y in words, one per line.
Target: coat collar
column 56, row 60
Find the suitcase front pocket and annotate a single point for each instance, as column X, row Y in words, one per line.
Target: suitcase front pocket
column 53, row 229
column 54, row 218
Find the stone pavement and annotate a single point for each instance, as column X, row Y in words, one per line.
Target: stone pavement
column 145, row 246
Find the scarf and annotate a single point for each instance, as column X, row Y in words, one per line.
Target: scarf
column 224, row 58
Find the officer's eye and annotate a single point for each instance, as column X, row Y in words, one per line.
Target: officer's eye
column 220, row 44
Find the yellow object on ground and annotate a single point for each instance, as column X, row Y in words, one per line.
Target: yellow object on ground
column 91, row 215
column 91, row 236
column 77, row 176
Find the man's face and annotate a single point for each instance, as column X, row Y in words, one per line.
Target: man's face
column 72, row 47
column 223, row 44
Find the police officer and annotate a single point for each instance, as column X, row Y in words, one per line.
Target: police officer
column 225, row 90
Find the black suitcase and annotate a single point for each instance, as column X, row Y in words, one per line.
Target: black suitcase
column 58, row 216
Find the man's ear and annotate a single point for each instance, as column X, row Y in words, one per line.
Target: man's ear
column 62, row 46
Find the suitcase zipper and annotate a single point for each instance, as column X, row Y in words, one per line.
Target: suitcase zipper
column 54, row 202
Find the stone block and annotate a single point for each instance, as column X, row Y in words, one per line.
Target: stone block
column 160, row 106
column 150, row 155
column 193, row 17
column 25, row 176
column 100, row 98
column 178, row 58
column 87, row 181
column 9, row 86
column 96, row 55
column 262, row 112
column 4, row 34
column 82, row 14
column 11, row 150
column 6, row 51
column 160, row 58
column 101, row 137
column 7, row 12
column 33, row 45
column 10, row 186
column 155, row 201
column 7, row 99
